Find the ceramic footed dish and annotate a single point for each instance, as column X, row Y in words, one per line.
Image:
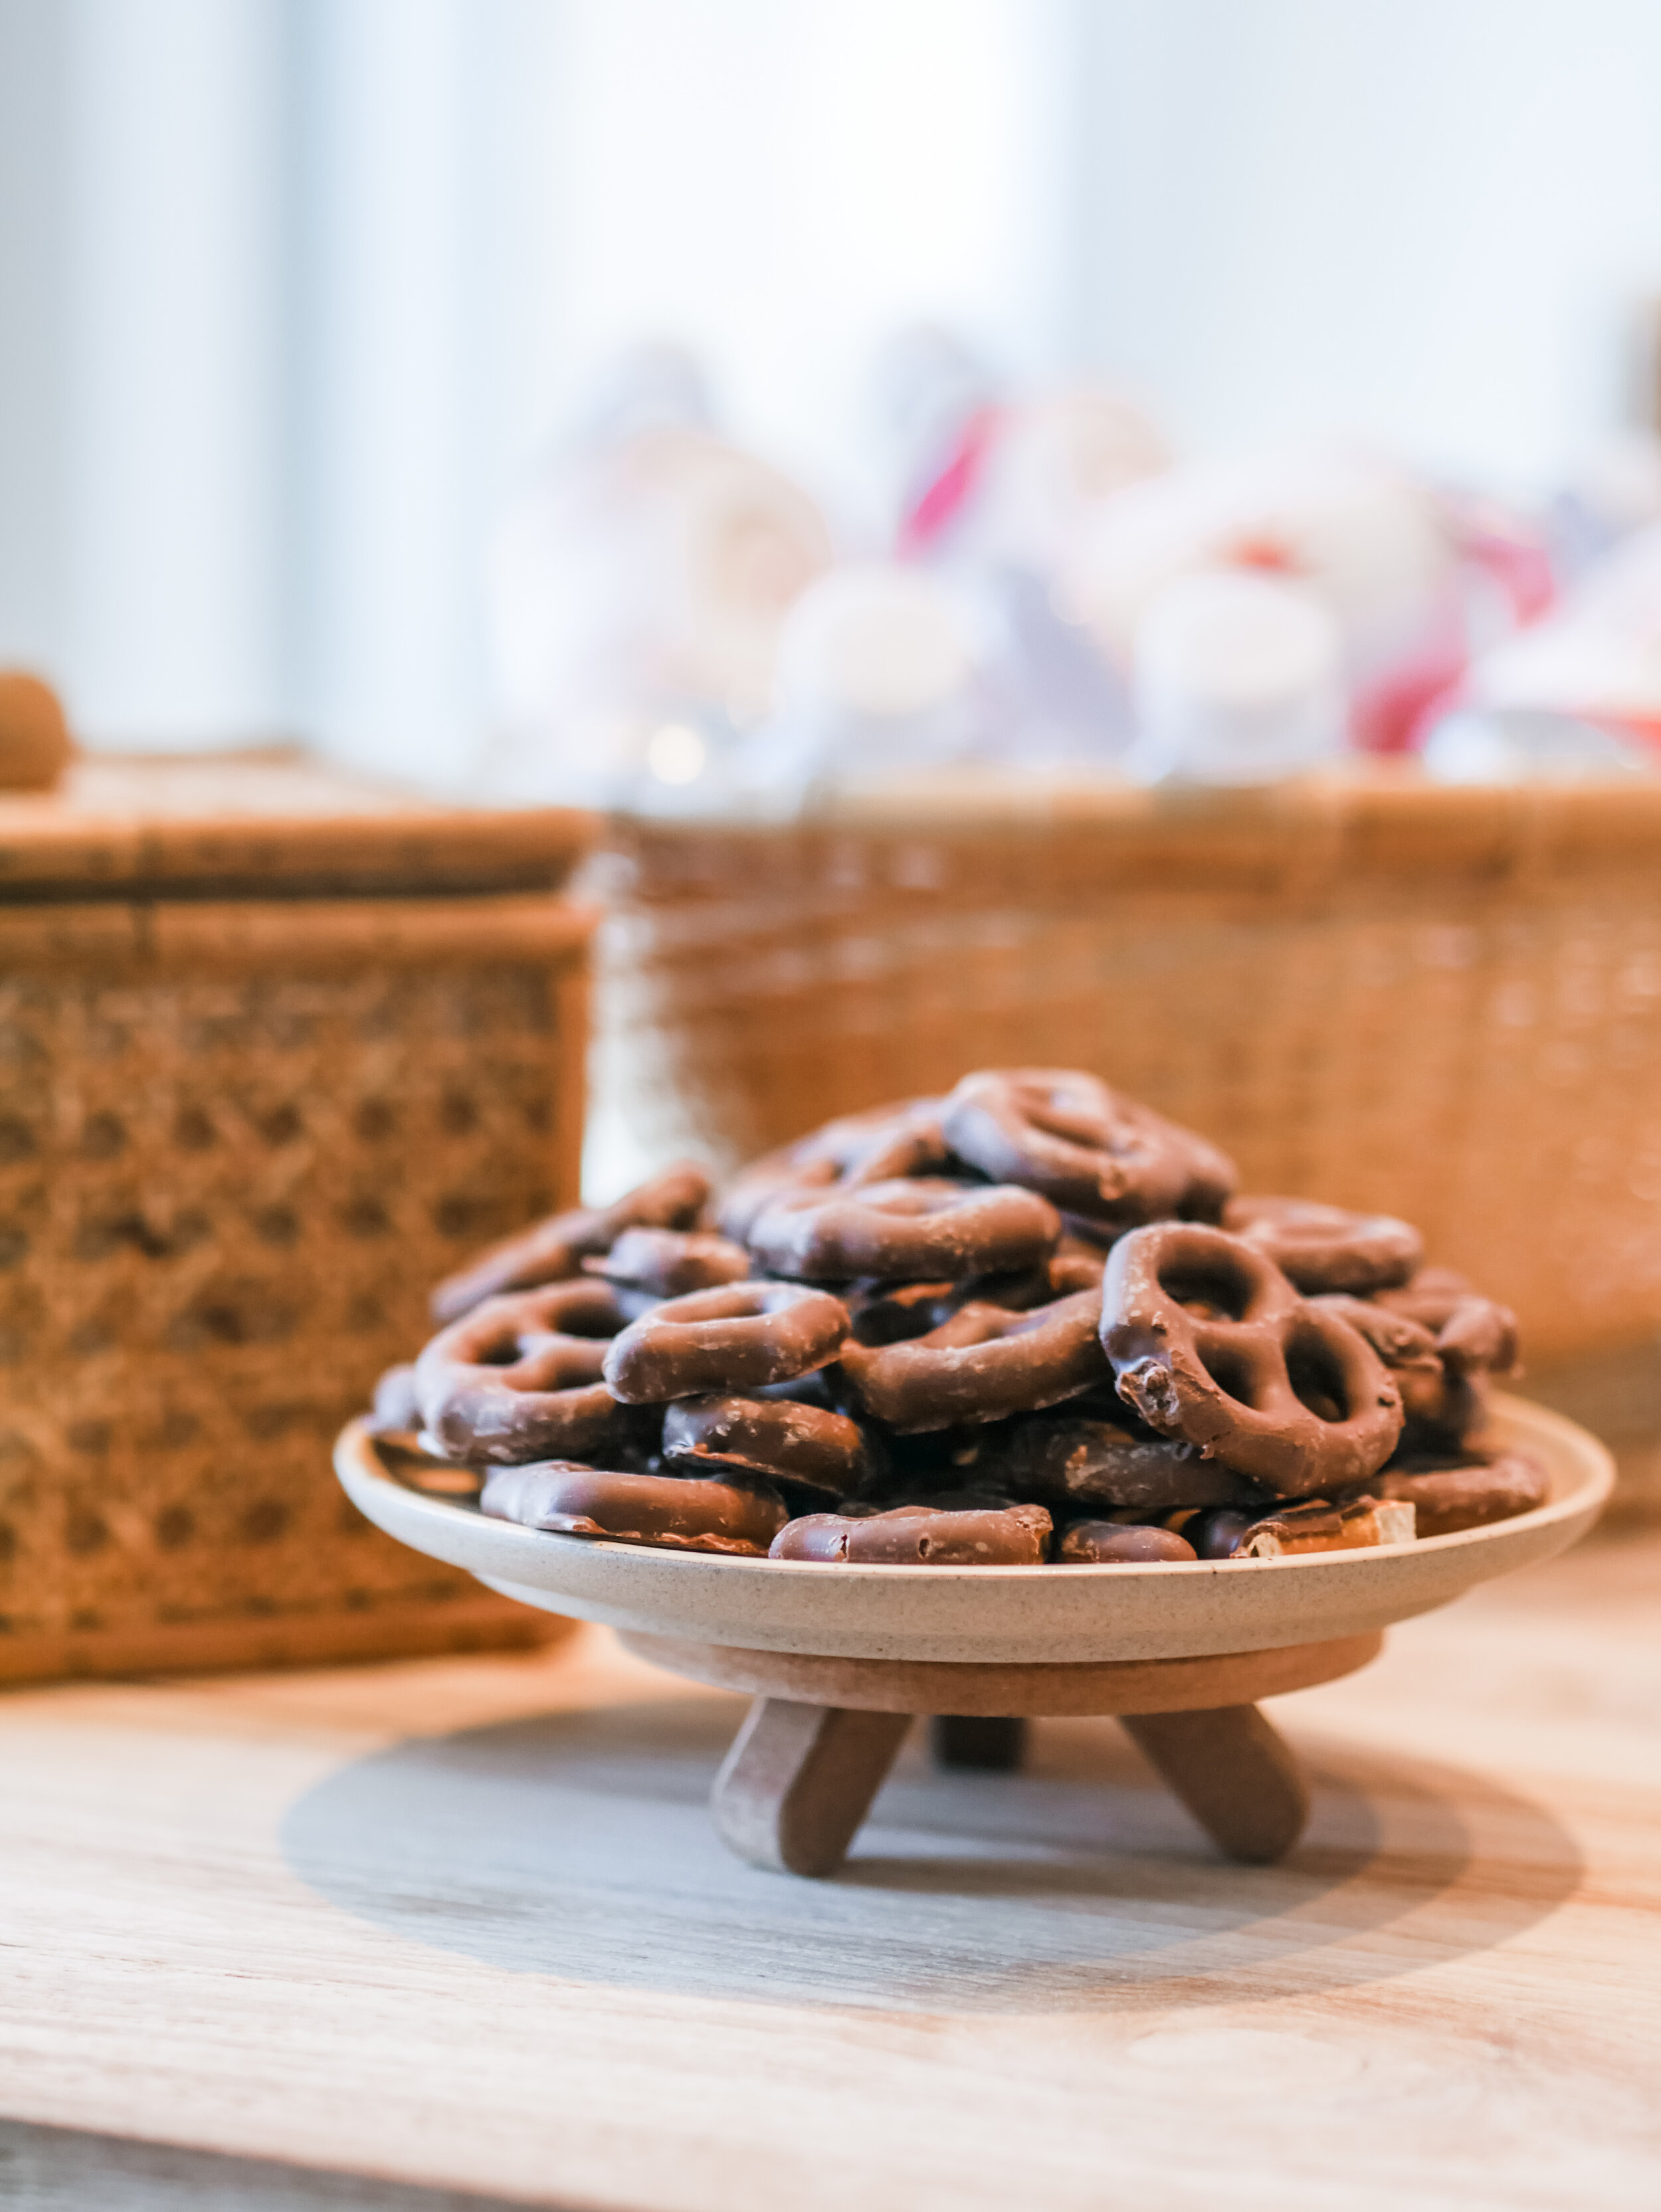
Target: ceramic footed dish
column 1000, row 1615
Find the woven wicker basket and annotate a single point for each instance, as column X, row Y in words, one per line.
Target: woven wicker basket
column 1445, row 1003
column 254, row 1096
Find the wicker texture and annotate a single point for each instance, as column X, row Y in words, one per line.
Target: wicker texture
column 237, row 1142
column 1442, row 1003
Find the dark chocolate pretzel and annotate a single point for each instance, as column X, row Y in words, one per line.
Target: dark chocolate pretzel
column 1361, row 1523
column 1479, row 1337
column 554, row 1249
column 735, row 1514
column 1470, row 1494
column 983, row 1363
column 770, row 1436
column 903, row 1139
column 904, row 1230
column 888, row 1313
column 978, row 1536
column 1209, row 1342
column 726, row 1339
column 1090, row 1150
column 1326, row 1248
column 1122, row 1544
column 1476, row 1335
column 1441, row 1406
column 395, row 1409
column 1073, row 1466
column 519, row 1378
column 646, row 1265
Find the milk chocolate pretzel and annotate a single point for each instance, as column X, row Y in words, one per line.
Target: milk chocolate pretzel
column 1326, row 1248
column 888, row 1313
column 1474, row 1335
column 904, row 1230
column 1209, row 1342
column 1122, row 1544
column 1096, row 1154
column 554, row 1249
column 983, row 1363
column 903, row 1139
column 1362, row 1524
column 770, row 1436
column 1441, row 1406
column 982, row 1535
column 1469, row 1494
column 395, row 1408
column 519, row 1377
column 1072, row 1465
column 734, row 1514
column 725, row 1339
column 646, row 1266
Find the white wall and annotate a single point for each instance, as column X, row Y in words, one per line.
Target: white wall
column 781, row 182
column 1428, row 220
column 289, row 288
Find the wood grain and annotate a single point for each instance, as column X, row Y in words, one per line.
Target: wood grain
column 466, row 1923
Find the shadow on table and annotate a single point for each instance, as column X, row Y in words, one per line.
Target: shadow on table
column 66, row 2170
column 579, row 1845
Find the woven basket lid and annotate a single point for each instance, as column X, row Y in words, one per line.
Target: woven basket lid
column 272, row 821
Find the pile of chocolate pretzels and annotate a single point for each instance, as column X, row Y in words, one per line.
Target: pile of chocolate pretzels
column 1029, row 1322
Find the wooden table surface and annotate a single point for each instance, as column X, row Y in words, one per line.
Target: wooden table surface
column 465, row 1924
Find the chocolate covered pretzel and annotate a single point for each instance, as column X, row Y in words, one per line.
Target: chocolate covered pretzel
column 905, row 1139
column 734, row 1514
column 1327, row 1248
column 726, row 1339
column 1209, row 1342
column 1469, row 1493
column 981, row 1363
column 779, row 1436
column 395, row 1408
column 1073, row 1466
column 1476, row 1335
column 977, row 1535
column 554, row 1249
column 519, row 1378
column 646, row 1266
column 1122, row 1544
column 1362, row 1524
column 904, row 1230
column 1441, row 1405
column 1089, row 1150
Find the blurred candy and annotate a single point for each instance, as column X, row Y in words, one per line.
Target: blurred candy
column 1521, row 744
column 1598, row 655
column 1238, row 679
column 1613, row 491
column 637, row 589
column 1367, row 540
column 878, row 671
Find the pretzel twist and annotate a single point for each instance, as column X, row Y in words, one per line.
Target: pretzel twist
column 1209, row 1342
column 739, row 1337
column 519, row 1378
column 1100, row 1157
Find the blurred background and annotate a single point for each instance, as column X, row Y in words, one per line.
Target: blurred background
column 297, row 297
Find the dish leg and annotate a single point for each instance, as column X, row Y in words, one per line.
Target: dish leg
column 1235, row 1774
column 974, row 1740
column 798, row 1781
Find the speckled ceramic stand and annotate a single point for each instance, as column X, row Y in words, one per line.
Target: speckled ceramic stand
column 840, row 1659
